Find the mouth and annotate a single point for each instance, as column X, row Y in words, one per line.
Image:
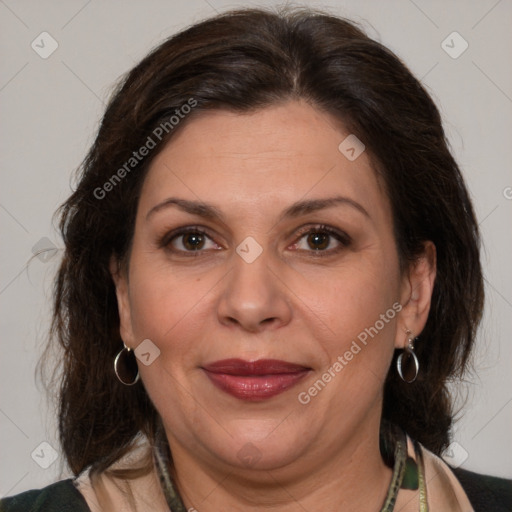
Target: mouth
column 254, row 380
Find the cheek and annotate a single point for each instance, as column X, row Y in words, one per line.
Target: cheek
column 168, row 306
column 357, row 291
column 357, row 307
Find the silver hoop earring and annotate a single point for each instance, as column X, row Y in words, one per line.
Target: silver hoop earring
column 125, row 367
column 407, row 363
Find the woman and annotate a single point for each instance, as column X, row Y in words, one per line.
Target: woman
column 271, row 272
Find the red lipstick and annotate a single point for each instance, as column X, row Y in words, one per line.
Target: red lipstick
column 254, row 380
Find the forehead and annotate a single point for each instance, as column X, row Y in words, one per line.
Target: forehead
column 265, row 158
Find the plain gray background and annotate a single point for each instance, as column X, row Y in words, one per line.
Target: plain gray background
column 50, row 111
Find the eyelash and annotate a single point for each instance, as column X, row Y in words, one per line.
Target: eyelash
column 340, row 236
column 343, row 239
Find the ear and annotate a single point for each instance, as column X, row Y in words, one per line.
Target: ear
column 416, row 294
column 120, row 278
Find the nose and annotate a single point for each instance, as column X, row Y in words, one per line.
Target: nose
column 253, row 298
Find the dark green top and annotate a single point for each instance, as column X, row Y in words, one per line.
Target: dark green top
column 486, row 493
column 62, row 496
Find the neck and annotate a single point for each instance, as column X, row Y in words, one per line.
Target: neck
column 350, row 477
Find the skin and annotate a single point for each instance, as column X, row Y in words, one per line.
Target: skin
column 289, row 304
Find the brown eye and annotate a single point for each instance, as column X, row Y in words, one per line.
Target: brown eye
column 318, row 241
column 189, row 240
column 193, row 241
column 321, row 240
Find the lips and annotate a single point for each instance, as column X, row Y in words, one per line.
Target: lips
column 254, row 380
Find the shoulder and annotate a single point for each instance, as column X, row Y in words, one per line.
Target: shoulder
column 486, row 493
column 62, row 496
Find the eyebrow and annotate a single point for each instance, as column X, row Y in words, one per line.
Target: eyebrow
column 313, row 205
column 209, row 211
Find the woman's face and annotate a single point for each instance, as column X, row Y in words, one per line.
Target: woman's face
column 258, row 240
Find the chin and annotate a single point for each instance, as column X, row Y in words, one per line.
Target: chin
column 260, row 445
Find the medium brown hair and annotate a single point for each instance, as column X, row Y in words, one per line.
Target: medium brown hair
column 243, row 61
